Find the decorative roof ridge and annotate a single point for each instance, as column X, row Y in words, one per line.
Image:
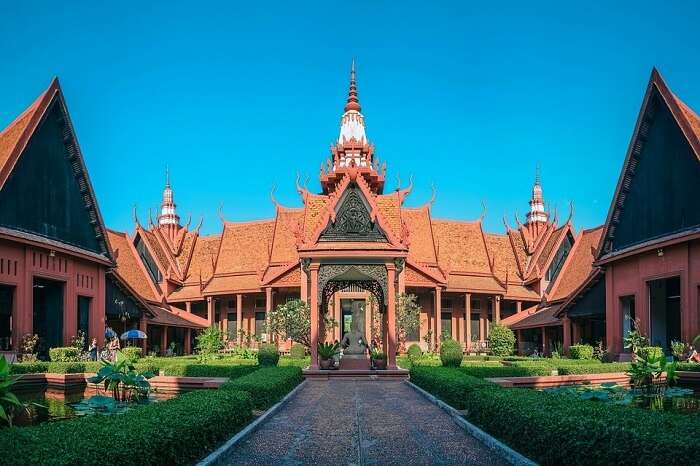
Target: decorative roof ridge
column 567, row 262
column 489, row 258
column 441, row 279
column 464, row 222
column 157, row 292
column 285, row 268
column 234, row 223
column 515, row 253
column 562, row 234
column 540, row 243
column 165, row 246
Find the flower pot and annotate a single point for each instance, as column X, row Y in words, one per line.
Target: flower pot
column 325, row 364
column 379, row 364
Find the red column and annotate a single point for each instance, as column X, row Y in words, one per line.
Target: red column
column 304, row 291
column 164, row 340
column 188, row 341
column 96, row 322
column 496, row 309
column 545, row 343
column 575, row 332
column 188, row 306
column 268, row 309
column 315, row 320
column 567, row 334
column 468, row 319
column 391, row 316
column 70, row 305
column 438, row 316
column 518, row 306
column 210, row 310
column 239, row 318
column 143, row 326
column 520, row 341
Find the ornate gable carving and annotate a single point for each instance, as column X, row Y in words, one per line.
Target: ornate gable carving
column 352, row 220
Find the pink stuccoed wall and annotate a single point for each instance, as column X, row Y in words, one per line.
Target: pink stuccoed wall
column 629, row 276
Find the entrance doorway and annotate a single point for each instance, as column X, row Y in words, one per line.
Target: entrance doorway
column 352, row 309
column 6, row 317
column 48, row 314
column 665, row 311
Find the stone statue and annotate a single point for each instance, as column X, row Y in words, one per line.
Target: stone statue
column 354, row 341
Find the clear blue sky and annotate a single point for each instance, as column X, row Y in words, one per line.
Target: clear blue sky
column 238, row 97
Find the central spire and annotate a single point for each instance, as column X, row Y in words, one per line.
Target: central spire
column 352, row 123
column 167, row 208
column 537, row 212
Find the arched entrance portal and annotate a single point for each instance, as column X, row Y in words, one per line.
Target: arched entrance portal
column 329, row 279
column 353, row 316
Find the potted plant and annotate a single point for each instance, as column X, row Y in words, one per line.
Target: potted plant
column 378, row 359
column 326, row 351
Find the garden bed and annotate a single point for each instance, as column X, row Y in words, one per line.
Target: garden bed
column 561, row 428
column 619, row 378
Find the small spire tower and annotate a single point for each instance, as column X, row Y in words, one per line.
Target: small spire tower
column 168, row 218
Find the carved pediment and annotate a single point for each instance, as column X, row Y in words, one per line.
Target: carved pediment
column 352, row 220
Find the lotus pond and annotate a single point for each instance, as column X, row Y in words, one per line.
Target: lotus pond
column 672, row 399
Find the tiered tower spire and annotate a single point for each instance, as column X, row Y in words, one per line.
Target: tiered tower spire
column 537, row 212
column 168, row 215
column 352, row 123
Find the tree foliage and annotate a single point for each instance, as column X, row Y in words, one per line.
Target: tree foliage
column 501, row 340
column 292, row 320
column 210, row 341
column 407, row 317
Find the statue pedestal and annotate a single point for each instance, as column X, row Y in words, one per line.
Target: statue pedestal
column 354, row 362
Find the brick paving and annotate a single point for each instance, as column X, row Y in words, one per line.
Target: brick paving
column 356, row 422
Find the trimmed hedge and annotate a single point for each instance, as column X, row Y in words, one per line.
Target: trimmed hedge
column 688, row 366
column 37, row 367
column 414, row 351
column 600, row 368
column 176, row 431
column 297, row 351
column 451, row 353
column 487, row 372
column 207, row 370
column 268, row 385
column 268, row 355
column 581, row 351
column 501, row 340
column 555, row 429
column 64, row 354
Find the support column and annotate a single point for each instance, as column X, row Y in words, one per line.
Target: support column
column 519, row 342
column 567, row 334
column 304, row 291
column 164, row 340
column 438, row 317
column 518, row 306
column 482, row 325
column 575, row 333
column 468, row 319
column 143, row 326
column 239, row 318
column 188, row 341
column 315, row 318
column 496, row 309
column 210, row 310
column 391, row 316
column 268, row 310
column 188, row 306
column 545, row 343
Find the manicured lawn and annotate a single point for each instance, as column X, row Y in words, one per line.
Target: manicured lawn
column 555, row 429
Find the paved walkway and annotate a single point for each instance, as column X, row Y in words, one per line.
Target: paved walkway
column 359, row 423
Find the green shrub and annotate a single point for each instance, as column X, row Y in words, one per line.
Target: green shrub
column 267, row 385
column 451, row 353
column 653, row 351
column 600, row 368
column 414, row 351
column 289, row 361
column 581, row 351
column 177, row 431
column 67, row 354
column 486, row 372
column 36, row 367
column 207, row 370
column 66, row 367
column 688, row 366
column 268, row 355
column 531, row 422
column 132, row 352
column 297, row 351
column 501, row 340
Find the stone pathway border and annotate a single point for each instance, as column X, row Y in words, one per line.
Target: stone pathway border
column 216, row 455
column 503, row 450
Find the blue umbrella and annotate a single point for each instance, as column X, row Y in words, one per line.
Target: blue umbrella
column 109, row 333
column 135, row 334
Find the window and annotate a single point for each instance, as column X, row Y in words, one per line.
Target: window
column 259, row 324
column 628, row 315
column 84, row 318
column 232, row 329
column 476, row 304
column 6, row 293
column 446, row 325
column 446, row 303
column 559, row 258
column 231, row 304
column 475, row 328
column 148, row 261
column 260, row 303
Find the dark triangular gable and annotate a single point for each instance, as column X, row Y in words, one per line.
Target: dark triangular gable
column 353, row 220
column 48, row 192
column 660, row 183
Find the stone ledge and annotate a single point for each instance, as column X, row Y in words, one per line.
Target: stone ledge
column 545, row 381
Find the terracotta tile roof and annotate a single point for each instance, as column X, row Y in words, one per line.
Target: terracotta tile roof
column 504, row 261
column 128, row 265
column 533, row 318
column 186, row 249
column 519, row 248
column 158, row 253
column 233, row 283
column 11, row 135
column 476, row 283
column 204, row 255
column 578, row 265
column 283, row 274
column 284, row 243
column 422, row 247
column 186, row 293
column 549, row 248
column 460, row 246
column 245, row 247
column 389, row 206
column 314, row 208
column 174, row 317
column 521, row 292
